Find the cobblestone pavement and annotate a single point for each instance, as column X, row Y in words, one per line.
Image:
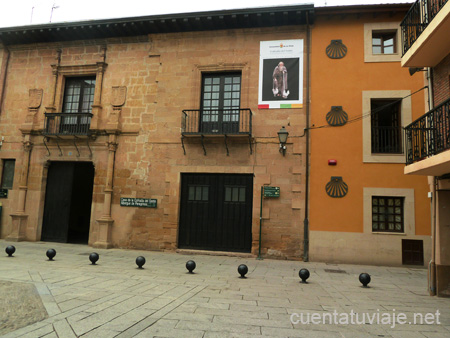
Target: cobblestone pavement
column 116, row 299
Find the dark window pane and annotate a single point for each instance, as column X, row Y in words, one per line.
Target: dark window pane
column 191, row 194
column 8, row 174
column 227, row 194
column 241, row 194
column 383, row 218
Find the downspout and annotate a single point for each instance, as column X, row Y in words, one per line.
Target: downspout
column 3, row 72
column 432, row 264
column 308, row 70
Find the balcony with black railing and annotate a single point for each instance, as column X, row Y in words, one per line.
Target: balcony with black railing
column 234, row 122
column 417, row 19
column 216, row 122
column 429, row 135
column 67, row 124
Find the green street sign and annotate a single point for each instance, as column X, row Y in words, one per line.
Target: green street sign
column 271, row 191
column 138, row 202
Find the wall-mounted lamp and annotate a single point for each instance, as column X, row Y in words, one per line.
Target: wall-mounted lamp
column 413, row 70
column 282, row 136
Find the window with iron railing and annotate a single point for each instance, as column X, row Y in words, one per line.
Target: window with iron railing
column 75, row 118
column 386, row 127
column 221, row 99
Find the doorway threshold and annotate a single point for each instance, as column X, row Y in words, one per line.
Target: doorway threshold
column 215, row 253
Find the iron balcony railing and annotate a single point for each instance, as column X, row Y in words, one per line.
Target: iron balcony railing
column 387, row 140
column 216, row 122
column 428, row 135
column 419, row 16
column 59, row 124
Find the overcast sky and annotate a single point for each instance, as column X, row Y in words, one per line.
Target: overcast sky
column 25, row 12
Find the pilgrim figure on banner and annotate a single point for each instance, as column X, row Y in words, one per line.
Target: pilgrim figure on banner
column 280, row 81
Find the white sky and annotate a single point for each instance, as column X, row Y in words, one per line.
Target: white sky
column 25, row 12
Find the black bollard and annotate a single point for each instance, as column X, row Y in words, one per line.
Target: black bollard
column 50, row 254
column 10, row 249
column 364, row 278
column 190, row 265
column 242, row 269
column 304, row 275
column 140, row 261
column 93, row 257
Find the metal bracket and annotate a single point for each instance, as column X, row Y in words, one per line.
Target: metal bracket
column 182, row 144
column 87, row 141
column 75, row 144
column 60, row 151
column 250, row 143
column 203, row 145
column 45, row 144
column 226, row 145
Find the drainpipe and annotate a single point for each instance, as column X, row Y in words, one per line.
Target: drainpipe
column 306, row 220
column 432, row 264
column 3, row 71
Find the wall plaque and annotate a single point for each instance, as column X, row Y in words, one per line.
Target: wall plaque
column 138, row 202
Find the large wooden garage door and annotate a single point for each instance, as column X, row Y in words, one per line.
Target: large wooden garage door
column 216, row 212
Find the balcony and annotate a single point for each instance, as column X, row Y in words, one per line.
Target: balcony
column 425, row 38
column 67, row 125
column 216, row 123
column 427, row 140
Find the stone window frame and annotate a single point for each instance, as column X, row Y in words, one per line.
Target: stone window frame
column 199, row 70
column 409, row 221
column 60, row 74
column 406, row 118
column 381, row 27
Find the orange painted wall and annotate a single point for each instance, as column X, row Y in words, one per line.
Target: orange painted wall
column 340, row 83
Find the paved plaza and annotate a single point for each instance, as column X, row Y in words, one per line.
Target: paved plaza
column 69, row 297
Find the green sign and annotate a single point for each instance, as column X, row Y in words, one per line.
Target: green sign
column 3, row 193
column 138, row 202
column 271, row 191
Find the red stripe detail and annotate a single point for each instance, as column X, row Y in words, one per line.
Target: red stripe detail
column 263, row 106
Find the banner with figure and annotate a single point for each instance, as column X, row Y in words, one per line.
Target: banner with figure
column 281, row 74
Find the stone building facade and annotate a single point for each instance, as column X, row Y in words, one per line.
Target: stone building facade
column 107, row 138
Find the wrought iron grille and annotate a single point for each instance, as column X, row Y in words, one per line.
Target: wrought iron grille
column 216, row 122
column 59, row 124
column 429, row 135
column 387, row 140
column 419, row 16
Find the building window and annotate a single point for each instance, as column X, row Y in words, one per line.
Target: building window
column 234, row 194
column 198, row 193
column 221, row 99
column 384, row 42
column 78, row 100
column 79, row 94
column 386, row 126
column 387, row 214
column 8, row 174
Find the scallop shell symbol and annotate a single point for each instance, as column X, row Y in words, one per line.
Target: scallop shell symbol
column 336, row 49
column 336, row 187
column 337, row 116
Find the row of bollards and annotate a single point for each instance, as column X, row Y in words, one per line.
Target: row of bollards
column 304, row 274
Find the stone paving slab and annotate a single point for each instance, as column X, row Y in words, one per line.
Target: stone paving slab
column 116, row 299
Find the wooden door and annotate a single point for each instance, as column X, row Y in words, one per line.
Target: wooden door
column 216, row 212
